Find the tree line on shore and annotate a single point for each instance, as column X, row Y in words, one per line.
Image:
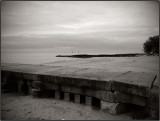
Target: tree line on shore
column 151, row 46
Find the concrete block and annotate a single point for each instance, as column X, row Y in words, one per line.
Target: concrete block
column 100, row 94
column 107, row 96
column 135, row 83
column 66, row 96
column 19, row 87
column 51, row 86
column 57, row 95
column 153, row 102
column 30, row 90
column 138, row 100
column 131, row 99
column 88, row 101
column 38, row 85
column 113, row 108
column 29, row 83
column 77, row 98
column 36, row 93
column 4, row 87
column 88, row 82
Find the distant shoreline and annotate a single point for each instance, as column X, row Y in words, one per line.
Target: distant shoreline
column 101, row 55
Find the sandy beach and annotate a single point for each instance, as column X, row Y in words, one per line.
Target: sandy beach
column 18, row 107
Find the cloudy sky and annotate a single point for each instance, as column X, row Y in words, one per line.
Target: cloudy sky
column 87, row 27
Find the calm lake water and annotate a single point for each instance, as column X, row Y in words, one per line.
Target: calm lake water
column 35, row 57
column 31, row 58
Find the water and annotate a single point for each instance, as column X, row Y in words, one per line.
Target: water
column 35, row 57
column 31, row 58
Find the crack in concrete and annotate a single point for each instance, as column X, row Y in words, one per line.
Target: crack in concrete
column 122, row 74
column 153, row 81
column 149, row 90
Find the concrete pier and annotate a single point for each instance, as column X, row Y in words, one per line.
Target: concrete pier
column 89, row 86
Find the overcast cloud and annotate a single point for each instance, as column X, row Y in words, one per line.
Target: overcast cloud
column 87, row 26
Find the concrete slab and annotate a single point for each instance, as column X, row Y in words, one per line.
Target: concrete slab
column 134, row 83
column 86, row 83
column 95, row 74
column 29, row 68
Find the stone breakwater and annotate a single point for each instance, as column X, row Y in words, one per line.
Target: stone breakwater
column 94, row 87
column 101, row 55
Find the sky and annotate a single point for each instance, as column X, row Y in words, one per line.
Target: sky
column 78, row 26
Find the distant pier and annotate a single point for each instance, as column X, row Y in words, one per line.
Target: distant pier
column 101, row 55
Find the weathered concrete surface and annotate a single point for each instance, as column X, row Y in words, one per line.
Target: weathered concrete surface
column 126, row 82
column 134, row 83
